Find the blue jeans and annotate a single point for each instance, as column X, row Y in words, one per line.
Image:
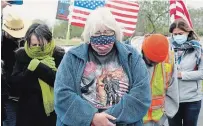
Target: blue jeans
column 11, row 107
column 187, row 114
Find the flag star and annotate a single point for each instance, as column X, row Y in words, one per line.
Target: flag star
column 61, row 11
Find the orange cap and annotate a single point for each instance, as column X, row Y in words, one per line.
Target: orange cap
column 155, row 47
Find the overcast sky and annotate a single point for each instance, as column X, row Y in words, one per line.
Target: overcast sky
column 46, row 9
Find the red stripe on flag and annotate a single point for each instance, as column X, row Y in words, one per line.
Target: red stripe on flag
column 59, row 16
column 127, row 34
column 172, row 1
column 80, row 12
column 79, row 18
column 125, row 3
column 77, row 24
column 173, row 11
column 180, row 10
column 121, row 8
column 129, row 28
column 123, row 15
column 126, row 22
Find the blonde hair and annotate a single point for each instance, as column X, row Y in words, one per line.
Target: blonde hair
column 99, row 18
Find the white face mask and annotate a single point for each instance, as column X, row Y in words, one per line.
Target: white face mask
column 180, row 39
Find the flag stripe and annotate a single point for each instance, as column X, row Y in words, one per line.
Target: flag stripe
column 78, row 24
column 77, row 10
column 125, row 22
column 129, row 28
column 126, row 3
column 121, row 8
column 79, row 18
column 123, row 12
column 124, row 15
column 125, row 19
column 127, row 34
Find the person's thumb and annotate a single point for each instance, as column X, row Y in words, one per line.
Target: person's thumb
column 110, row 117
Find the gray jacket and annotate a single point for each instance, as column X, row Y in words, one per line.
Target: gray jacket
column 172, row 95
column 191, row 83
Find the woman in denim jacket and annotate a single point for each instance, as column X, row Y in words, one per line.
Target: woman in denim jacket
column 102, row 82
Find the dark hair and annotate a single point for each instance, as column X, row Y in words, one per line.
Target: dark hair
column 41, row 31
column 183, row 25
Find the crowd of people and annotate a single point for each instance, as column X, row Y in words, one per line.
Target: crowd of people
column 103, row 81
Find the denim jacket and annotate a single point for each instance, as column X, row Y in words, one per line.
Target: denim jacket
column 73, row 110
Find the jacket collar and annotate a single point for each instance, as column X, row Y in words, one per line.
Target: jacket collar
column 82, row 51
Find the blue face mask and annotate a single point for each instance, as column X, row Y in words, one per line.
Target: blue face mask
column 180, row 39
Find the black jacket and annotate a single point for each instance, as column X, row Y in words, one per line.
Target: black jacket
column 8, row 48
column 31, row 110
column 4, row 92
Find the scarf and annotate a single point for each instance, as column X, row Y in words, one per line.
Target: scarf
column 38, row 53
column 193, row 44
column 45, row 57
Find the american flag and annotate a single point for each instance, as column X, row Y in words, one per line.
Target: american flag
column 125, row 12
column 179, row 10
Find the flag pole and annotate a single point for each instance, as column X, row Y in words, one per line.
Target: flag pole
column 69, row 20
column 68, row 32
column 169, row 17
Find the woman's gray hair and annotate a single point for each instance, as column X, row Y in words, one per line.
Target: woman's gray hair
column 41, row 31
column 99, row 18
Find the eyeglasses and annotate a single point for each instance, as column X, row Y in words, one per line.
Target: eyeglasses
column 106, row 32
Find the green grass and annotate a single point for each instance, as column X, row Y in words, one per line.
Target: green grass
column 62, row 42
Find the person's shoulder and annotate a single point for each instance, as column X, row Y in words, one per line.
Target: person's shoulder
column 78, row 50
column 79, row 47
column 20, row 51
column 21, row 55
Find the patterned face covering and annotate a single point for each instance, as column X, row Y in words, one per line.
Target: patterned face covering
column 102, row 44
